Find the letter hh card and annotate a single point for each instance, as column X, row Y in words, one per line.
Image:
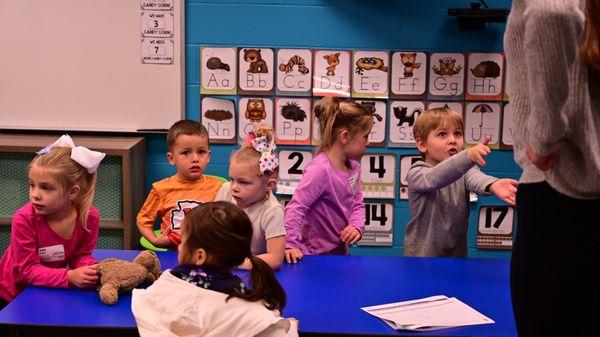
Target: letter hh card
column 409, row 75
column 218, row 70
column 446, row 76
column 293, row 121
column 370, row 74
column 482, row 119
column 378, row 111
column 485, row 76
column 256, row 72
column 402, row 118
column 254, row 111
column 218, row 116
column 294, row 72
column 331, row 73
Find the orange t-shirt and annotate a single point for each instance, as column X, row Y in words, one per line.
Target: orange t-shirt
column 172, row 198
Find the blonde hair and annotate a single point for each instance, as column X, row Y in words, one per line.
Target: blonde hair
column 590, row 43
column 334, row 115
column 247, row 152
column 432, row 119
column 69, row 173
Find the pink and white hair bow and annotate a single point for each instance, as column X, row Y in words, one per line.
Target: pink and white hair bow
column 80, row 154
column 268, row 161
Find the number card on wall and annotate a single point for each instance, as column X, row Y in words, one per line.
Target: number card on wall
column 294, row 73
column 254, row 111
column 332, row 73
column 156, row 24
column 402, row 118
column 405, row 164
column 446, row 76
column 292, row 121
column 370, row 75
column 507, row 128
column 485, row 76
column 482, row 119
column 218, row 116
column 496, row 227
column 379, row 225
column 409, row 75
column 378, row 175
column 378, row 110
column 291, row 167
column 256, row 73
column 218, row 70
column 456, row 106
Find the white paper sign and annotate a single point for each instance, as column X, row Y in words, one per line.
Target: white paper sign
column 294, row 73
column 332, row 73
column 446, row 75
column 254, row 111
column 409, row 73
column 157, row 51
column 157, row 5
column 158, row 24
column 403, row 115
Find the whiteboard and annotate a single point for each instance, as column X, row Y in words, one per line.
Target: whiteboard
column 77, row 65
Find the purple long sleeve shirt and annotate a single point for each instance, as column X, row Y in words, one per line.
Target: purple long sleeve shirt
column 335, row 200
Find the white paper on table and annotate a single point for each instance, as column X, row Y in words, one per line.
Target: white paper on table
column 430, row 313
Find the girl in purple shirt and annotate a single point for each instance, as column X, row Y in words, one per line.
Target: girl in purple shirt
column 327, row 212
column 53, row 236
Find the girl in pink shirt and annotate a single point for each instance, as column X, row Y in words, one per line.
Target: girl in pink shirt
column 53, row 236
column 327, row 212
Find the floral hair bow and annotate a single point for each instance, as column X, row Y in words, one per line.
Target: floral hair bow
column 268, row 161
column 81, row 155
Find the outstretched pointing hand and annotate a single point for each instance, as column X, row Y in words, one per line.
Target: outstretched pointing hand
column 478, row 152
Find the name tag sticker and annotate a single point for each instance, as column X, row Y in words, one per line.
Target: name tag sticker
column 52, row 253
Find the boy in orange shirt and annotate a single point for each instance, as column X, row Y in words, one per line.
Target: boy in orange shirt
column 171, row 198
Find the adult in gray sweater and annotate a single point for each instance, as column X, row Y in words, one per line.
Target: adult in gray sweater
column 553, row 52
column 438, row 186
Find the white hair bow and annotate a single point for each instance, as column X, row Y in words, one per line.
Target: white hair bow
column 80, row 154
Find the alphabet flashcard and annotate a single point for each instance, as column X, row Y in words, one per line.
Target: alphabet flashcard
column 482, row 119
column 370, row 74
column 507, row 128
column 254, row 111
column 316, row 133
column 331, row 73
column 456, row 106
column 409, row 75
column 405, row 163
column 379, row 224
column 256, row 72
column 446, row 76
column 485, row 76
column 402, row 118
column 294, row 73
column 378, row 111
column 218, row 116
column 293, row 121
column 218, row 70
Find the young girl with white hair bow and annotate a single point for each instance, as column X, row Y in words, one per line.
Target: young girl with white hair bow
column 54, row 234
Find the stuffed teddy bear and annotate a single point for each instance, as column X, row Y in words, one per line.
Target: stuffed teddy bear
column 118, row 276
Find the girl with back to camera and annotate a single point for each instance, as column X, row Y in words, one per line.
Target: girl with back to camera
column 54, row 234
column 200, row 296
column 330, row 186
column 253, row 175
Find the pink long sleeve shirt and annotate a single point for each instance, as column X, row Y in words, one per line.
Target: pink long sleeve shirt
column 38, row 256
column 325, row 202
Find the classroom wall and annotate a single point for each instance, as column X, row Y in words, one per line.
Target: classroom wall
column 374, row 25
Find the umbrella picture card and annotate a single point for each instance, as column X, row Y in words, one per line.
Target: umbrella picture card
column 482, row 119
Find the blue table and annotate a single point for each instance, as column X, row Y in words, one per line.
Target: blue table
column 325, row 293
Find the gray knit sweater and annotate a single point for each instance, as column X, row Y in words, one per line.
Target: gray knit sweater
column 554, row 96
column 439, row 203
